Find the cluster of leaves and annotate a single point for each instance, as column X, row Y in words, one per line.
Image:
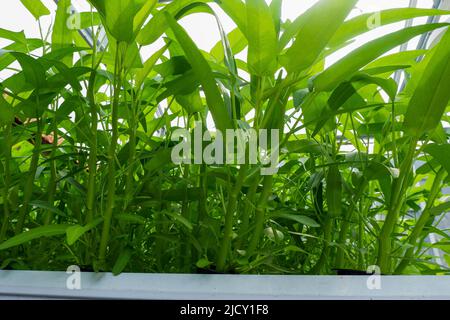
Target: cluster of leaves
column 101, row 191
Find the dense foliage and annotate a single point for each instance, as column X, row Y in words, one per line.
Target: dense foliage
column 86, row 176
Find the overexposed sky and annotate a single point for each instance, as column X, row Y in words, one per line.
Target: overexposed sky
column 202, row 27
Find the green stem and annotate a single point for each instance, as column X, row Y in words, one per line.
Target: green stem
column 327, row 237
column 110, row 202
column 53, row 174
column 29, row 184
column 131, row 154
column 248, row 209
column 203, row 185
column 185, row 264
column 260, row 215
column 365, row 207
column 398, row 191
column 5, row 223
column 424, row 217
column 92, row 188
column 340, row 262
column 229, row 217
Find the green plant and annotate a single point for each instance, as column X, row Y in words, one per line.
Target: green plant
column 107, row 182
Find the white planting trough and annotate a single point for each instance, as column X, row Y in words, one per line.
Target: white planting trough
column 44, row 285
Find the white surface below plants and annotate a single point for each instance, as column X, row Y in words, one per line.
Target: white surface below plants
column 43, row 284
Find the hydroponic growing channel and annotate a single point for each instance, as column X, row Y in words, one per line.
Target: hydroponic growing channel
column 300, row 146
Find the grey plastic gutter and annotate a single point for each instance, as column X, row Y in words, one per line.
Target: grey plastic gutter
column 45, row 285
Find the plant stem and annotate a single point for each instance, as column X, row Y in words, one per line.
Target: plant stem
column 248, row 209
column 340, row 263
column 229, row 216
column 327, row 237
column 424, row 217
column 53, row 174
column 131, row 153
column 92, row 189
column 28, row 190
column 185, row 245
column 7, row 151
column 110, row 202
column 260, row 215
column 203, row 185
column 399, row 188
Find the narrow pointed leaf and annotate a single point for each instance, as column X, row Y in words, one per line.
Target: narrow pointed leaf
column 148, row 66
column 432, row 93
column 39, row 232
column 156, row 27
column 369, row 21
column 73, row 233
column 262, row 38
column 315, row 33
column 351, row 63
column 36, row 8
column 204, row 74
column 62, row 35
column 122, row 261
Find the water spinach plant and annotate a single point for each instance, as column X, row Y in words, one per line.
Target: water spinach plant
column 87, row 139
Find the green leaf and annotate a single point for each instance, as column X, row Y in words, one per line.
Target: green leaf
column 36, row 8
column 295, row 249
column 362, row 23
column 6, row 59
column 47, row 206
column 13, row 36
column 439, row 209
column 192, row 102
column 88, row 20
column 142, row 15
column 236, row 10
column 6, row 112
column 341, row 95
column 33, row 71
column 100, row 5
column 119, row 18
column 61, row 34
column 432, row 94
column 237, row 42
column 204, row 74
column 388, row 85
column 73, row 233
column 161, row 158
column 334, row 191
column 179, row 218
column 396, row 59
column 307, row 221
column 351, row 63
column 203, row 263
column 440, row 152
column 156, row 27
column 262, row 39
column 276, row 7
column 379, row 171
column 36, row 233
column 124, row 18
column 303, row 146
column 131, row 218
column 315, row 33
column 122, row 261
column 148, row 66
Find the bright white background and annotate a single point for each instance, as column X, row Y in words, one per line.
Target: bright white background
column 202, row 27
